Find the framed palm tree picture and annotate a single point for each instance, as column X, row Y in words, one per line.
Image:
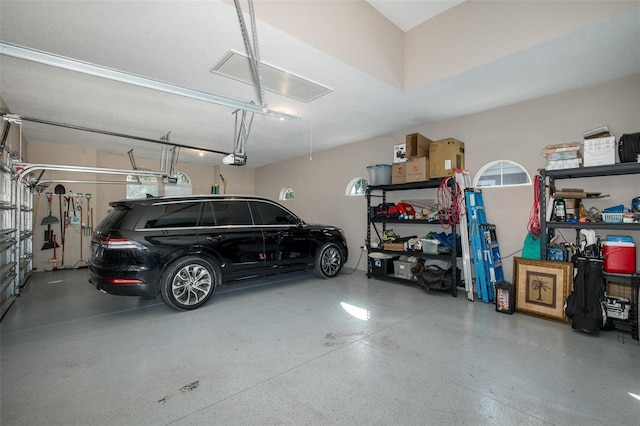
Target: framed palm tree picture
column 542, row 287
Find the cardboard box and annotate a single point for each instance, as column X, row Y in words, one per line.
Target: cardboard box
column 563, row 151
column 399, row 153
column 620, row 290
column 563, row 164
column 599, row 151
column 417, row 169
column 445, row 156
column 398, row 173
column 395, row 246
column 563, row 155
column 417, row 146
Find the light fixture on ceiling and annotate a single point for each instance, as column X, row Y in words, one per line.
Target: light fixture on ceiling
column 276, row 80
column 20, row 52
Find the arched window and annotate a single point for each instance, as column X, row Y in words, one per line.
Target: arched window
column 286, row 193
column 357, row 186
column 501, row 173
column 181, row 187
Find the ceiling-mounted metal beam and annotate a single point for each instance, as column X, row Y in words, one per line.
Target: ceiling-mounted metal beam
column 252, row 49
column 106, row 132
column 25, row 53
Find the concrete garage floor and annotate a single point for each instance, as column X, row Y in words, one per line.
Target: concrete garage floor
column 285, row 351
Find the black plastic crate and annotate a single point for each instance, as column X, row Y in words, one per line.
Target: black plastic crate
column 382, row 266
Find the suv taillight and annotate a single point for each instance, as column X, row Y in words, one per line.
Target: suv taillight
column 120, row 244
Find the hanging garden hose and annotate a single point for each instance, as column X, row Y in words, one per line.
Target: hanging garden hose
column 448, row 203
column 534, row 217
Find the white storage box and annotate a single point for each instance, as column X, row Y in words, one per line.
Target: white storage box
column 430, row 246
column 599, row 151
column 400, row 153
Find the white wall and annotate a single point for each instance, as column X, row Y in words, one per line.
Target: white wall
column 517, row 132
column 77, row 244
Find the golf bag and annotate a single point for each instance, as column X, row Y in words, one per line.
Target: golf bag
column 585, row 304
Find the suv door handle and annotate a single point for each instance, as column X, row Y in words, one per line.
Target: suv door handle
column 217, row 237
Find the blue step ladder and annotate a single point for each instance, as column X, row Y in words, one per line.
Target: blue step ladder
column 487, row 263
column 492, row 259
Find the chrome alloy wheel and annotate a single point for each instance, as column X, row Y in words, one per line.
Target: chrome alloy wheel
column 331, row 261
column 191, row 284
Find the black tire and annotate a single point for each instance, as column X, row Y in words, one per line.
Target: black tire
column 329, row 261
column 188, row 283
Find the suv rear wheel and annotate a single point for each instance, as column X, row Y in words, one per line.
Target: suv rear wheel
column 188, row 283
column 329, row 261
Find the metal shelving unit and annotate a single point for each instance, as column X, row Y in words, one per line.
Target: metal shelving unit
column 550, row 176
column 8, row 240
column 380, row 191
column 547, row 228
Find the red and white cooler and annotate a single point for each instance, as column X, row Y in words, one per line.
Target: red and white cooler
column 619, row 254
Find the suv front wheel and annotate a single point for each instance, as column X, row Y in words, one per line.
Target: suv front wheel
column 188, row 283
column 329, row 261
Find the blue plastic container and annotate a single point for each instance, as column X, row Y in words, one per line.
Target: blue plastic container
column 619, row 239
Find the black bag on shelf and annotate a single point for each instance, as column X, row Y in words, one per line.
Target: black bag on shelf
column 629, row 147
column 384, row 210
column 436, row 278
column 584, row 306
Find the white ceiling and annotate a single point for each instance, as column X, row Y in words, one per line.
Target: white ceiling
column 178, row 42
column 406, row 14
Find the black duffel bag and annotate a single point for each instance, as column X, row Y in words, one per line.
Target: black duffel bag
column 629, row 147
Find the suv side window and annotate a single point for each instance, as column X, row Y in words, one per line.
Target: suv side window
column 176, row 215
column 272, row 214
column 223, row 213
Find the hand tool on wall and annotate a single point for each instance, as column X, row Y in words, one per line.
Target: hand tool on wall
column 60, row 190
column 80, row 210
column 66, row 224
column 224, row 184
column 49, row 220
column 55, row 258
column 81, row 233
column 89, row 214
column 38, row 187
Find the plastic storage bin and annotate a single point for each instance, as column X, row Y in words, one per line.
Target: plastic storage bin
column 403, row 270
column 430, row 246
column 382, row 264
column 380, row 174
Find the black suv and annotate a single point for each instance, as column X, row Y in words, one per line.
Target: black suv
column 185, row 247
